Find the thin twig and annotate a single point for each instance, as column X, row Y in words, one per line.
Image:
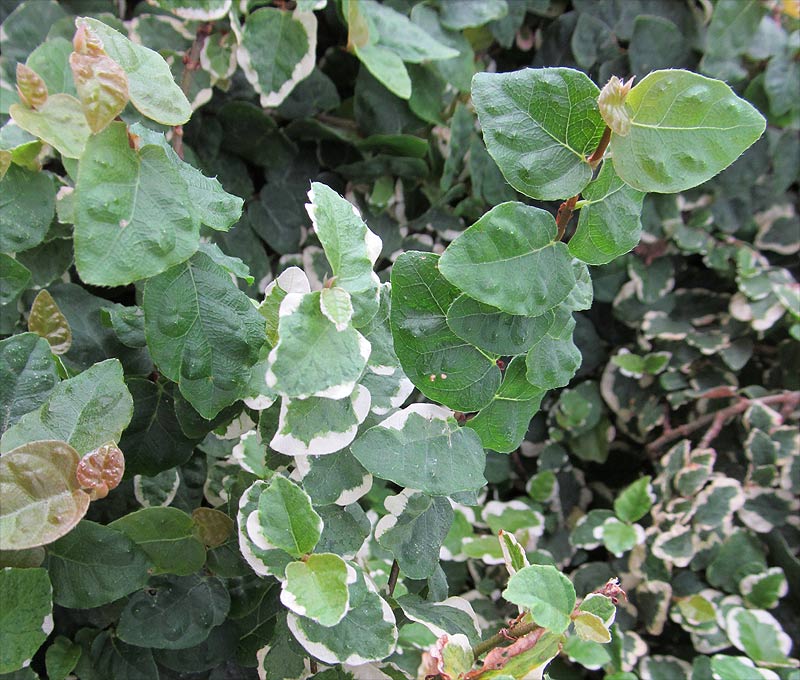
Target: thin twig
column 564, row 215
column 393, row 574
column 597, row 156
column 191, row 63
column 503, row 636
column 720, row 416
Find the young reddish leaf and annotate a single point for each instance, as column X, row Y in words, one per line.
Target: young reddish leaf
column 101, row 470
column 212, row 526
column 30, row 87
column 47, row 320
column 101, row 82
column 611, row 103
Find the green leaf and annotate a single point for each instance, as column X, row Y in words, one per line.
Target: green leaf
column 175, row 612
column 94, row 565
column 339, row 479
column 195, row 10
column 610, row 219
column 61, row 658
column 14, row 279
column 493, row 330
column 589, row 626
column 86, row 411
column 387, row 67
column 555, row 358
column 422, row 447
column 208, row 201
column 351, row 248
column 277, row 49
column 27, row 209
column 620, row 537
column 154, row 440
column 27, row 376
column 46, row 320
column 151, row 86
column 59, row 122
column 317, row 426
column 737, row 668
column 346, row 528
column 511, row 259
column 203, row 333
column 313, row 357
column 414, row 530
column 317, row 588
column 546, row 592
column 539, row 126
column 441, row 365
column 635, row 501
column 454, row 616
column 502, row 424
column 110, row 657
column 27, row 617
column 132, row 218
column 367, row 633
column 42, row 498
column 532, row 661
column 166, row 535
column 460, row 14
column 691, row 127
column 394, row 31
column 50, row 60
column 286, row 518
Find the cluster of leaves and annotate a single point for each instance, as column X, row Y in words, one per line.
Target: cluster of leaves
column 206, row 465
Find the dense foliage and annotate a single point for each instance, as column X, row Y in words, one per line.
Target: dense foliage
column 341, row 344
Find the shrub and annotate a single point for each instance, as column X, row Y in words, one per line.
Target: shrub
column 270, row 409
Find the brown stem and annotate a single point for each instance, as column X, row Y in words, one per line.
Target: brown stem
column 191, row 63
column 564, row 215
column 511, row 633
column 717, row 419
column 393, row 574
column 312, row 665
column 597, row 156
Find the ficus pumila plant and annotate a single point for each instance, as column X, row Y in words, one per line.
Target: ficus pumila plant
column 310, row 396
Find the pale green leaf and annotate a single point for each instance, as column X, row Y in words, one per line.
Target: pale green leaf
column 27, row 616
column 692, row 127
column 263, row 557
column 387, row 67
column 14, row 279
column 367, row 633
column 27, row 376
column 546, row 592
column 86, row 411
column 151, row 86
column 589, row 626
column 460, row 14
column 94, row 565
column 175, row 612
column 759, row 635
column 312, row 357
column 59, row 122
column 203, row 333
column 452, row 616
column 277, row 49
column 439, row 363
column 317, row 588
column 422, row 447
column 195, row 10
column 286, row 518
column 351, row 248
column 42, row 499
column 609, row 224
column 539, row 126
column 511, row 259
column 414, row 530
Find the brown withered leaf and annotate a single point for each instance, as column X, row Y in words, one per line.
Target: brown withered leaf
column 30, row 87
column 102, row 88
column 101, row 470
column 213, row 527
column 47, row 320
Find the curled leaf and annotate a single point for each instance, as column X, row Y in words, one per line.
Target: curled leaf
column 611, row 103
column 47, row 321
column 86, row 41
column 102, row 87
column 31, row 88
column 101, row 470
